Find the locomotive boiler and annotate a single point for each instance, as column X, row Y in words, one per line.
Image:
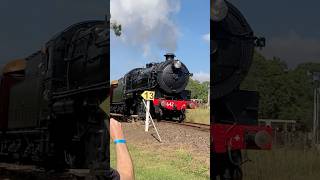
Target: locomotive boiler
column 49, row 108
column 234, row 112
column 168, row 79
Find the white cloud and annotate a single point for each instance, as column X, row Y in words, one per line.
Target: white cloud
column 147, row 23
column 206, row 37
column 201, row 76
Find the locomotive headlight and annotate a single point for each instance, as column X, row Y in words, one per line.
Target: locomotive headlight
column 177, row 64
column 262, row 139
column 191, row 105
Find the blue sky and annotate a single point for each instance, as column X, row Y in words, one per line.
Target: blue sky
column 187, row 23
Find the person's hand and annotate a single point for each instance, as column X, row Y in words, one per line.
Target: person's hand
column 116, row 129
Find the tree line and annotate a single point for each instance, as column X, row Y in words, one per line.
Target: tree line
column 285, row 93
column 199, row 90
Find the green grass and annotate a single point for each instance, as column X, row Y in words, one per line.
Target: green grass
column 198, row 115
column 164, row 165
column 283, row 164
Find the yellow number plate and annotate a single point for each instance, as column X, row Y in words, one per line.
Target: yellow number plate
column 148, row 95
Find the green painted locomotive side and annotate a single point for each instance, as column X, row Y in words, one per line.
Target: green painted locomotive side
column 118, row 92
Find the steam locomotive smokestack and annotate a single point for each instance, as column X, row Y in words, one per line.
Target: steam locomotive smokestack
column 169, row 56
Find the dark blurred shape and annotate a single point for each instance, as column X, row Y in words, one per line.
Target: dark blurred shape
column 50, row 101
column 232, row 55
column 234, row 112
column 14, row 66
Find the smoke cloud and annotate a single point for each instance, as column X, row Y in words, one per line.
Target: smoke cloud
column 147, row 24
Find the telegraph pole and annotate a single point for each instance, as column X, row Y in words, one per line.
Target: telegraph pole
column 315, row 133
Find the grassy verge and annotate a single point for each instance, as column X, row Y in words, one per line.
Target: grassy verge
column 169, row 165
column 199, row 115
column 280, row 164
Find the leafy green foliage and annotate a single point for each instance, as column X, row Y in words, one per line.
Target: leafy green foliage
column 117, row 28
column 284, row 93
column 198, row 90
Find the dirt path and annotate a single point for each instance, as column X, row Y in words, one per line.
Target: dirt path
column 173, row 136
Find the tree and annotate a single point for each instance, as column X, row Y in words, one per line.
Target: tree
column 284, row 93
column 198, row 90
column 116, row 28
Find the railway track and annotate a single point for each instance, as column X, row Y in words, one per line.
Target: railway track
column 204, row 127
column 199, row 126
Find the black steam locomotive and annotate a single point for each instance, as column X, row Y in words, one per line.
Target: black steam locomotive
column 49, row 108
column 234, row 120
column 168, row 79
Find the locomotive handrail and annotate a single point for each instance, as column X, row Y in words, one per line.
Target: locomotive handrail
column 77, row 92
column 134, row 90
column 98, row 86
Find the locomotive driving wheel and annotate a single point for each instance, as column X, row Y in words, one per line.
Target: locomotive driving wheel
column 182, row 116
column 237, row 173
column 232, row 173
column 233, row 168
column 140, row 110
column 159, row 115
column 227, row 166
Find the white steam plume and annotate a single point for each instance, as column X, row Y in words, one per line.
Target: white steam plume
column 147, row 23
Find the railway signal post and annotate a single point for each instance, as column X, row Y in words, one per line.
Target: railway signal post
column 147, row 105
column 147, row 97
